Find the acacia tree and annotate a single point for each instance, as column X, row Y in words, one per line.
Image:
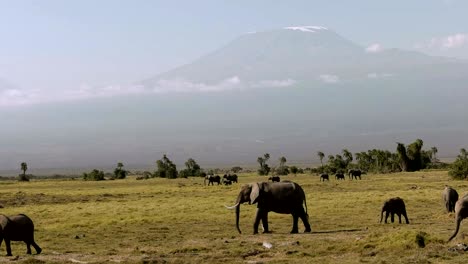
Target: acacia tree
column 262, row 161
column 348, row 156
column 282, row 168
column 165, row 168
column 24, row 168
column 192, row 169
column 434, row 151
column 321, row 155
column 119, row 172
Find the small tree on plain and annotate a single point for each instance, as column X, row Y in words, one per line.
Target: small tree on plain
column 294, row 170
column 236, row 169
column 262, row 161
column 459, row 168
column 119, row 172
column 165, row 168
column 24, row 168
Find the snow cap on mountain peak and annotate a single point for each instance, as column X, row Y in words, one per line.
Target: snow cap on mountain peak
column 311, row 29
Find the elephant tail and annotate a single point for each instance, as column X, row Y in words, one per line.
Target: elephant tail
column 305, row 204
column 459, row 219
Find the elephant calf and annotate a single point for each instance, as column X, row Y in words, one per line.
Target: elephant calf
column 274, row 179
column 17, row 228
column 450, row 197
column 394, row 206
column 339, row 176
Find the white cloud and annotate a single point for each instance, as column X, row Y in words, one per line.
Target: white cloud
column 184, row 86
column 374, row 75
column 274, row 83
column 374, row 48
column 12, row 97
column 454, row 41
column 329, row 78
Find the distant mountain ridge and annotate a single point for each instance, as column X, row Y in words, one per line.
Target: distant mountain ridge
column 294, row 55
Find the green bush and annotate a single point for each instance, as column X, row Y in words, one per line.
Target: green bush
column 459, row 169
column 94, row 175
column 166, row 168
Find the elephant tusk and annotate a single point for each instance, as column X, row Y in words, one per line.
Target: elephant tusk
column 231, row 207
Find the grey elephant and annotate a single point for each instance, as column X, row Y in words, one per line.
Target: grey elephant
column 394, row 206
column 339, row 176
column 278, row 197
column 212, row 179
column 450, row 197
column 324, row 177
column 232, row 178
column 354, row 174
column 226, row 181
column 461, row 212
column 18, row 228
column 274, row 179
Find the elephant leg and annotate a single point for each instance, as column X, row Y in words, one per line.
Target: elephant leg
column 295, row 228
column 406, row 217
column 36, row 247
column 386, row 216
column 399, row 218
column 258, row 217
column 8, row 247
column 28, row 248
column 305, row 220
column 392, row 217
column 265, row 223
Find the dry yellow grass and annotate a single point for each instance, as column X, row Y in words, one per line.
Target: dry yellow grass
column 182, row 221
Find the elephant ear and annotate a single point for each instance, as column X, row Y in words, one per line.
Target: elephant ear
column 255, row 193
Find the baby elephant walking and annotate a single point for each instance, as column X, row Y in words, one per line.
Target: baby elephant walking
column 17, row 228
column 394, row 206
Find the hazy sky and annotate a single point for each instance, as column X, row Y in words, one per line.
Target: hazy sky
column 68, row 45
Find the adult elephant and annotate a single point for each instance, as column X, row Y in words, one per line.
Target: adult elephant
column 394, row 206
column 212, row 179
column 18, row 228
column 461, row 212
column 450, row 197
column 324, row 177
column 354, row 174
column 232, row 178
column 278, row 197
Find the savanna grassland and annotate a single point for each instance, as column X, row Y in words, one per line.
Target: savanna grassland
column 183, row 221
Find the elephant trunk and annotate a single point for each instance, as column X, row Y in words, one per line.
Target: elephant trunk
column 459, row 219
column 381, row 215
column 237, row 218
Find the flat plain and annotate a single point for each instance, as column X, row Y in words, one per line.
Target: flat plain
column 183, row 221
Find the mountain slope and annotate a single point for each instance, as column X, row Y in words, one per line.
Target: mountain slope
column 302, row 55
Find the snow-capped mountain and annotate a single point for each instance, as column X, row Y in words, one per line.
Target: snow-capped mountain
column 300, row 54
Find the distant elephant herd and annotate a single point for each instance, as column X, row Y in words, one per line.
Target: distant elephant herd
column 352, row 174
column 283, row 197
column 227, row 179
column 287, row 197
